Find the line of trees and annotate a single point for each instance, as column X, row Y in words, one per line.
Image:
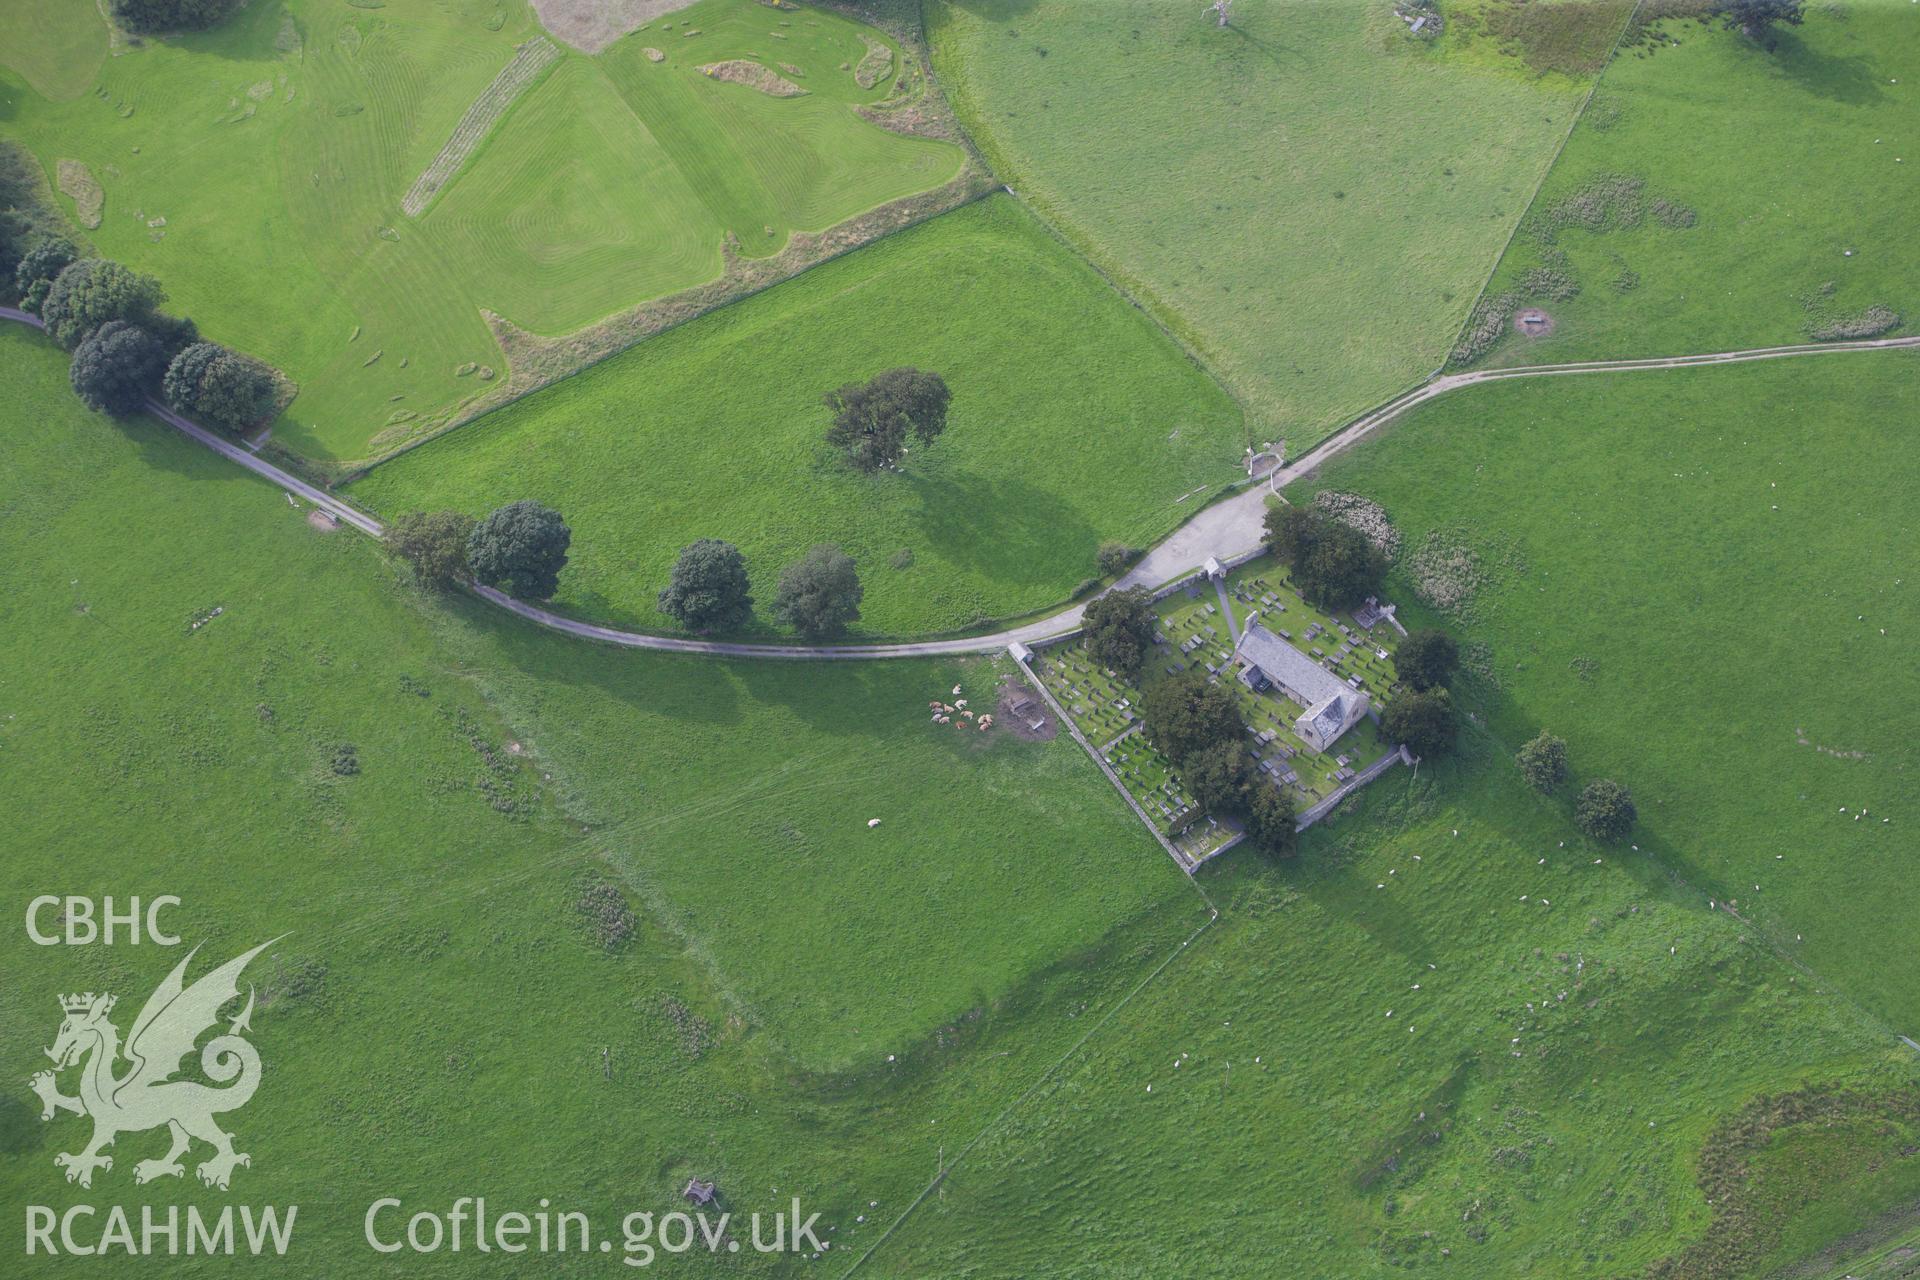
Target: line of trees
column 126, row 348
column 1197, row 725
column 522, row 547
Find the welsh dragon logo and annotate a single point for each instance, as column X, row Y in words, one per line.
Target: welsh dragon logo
column 147, row 1096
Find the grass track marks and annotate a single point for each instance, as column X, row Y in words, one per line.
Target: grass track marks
column 519, row 75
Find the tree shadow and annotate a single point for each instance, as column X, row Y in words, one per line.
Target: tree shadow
column 698, row 688
column 1847, row 79
column 1007, row 529
column 995, row 10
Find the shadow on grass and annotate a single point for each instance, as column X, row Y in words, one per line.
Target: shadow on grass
column 1843, row 79
column 1007, row 530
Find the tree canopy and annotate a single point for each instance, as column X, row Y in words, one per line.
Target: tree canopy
column 521, row 547
column 1119, row 629
column 872, row 419
column 222, row 388
column 708, row 589
column 1543, row 762
column 1422, row 719
column 1755, row 18
column 44, row 258
column 114, row 366
column 1605, row 810
column 1113, row 558
column 1270, row 819
column 1184, row 714
column 88, row 293
column 433, row 542
column 155, row 17
column 1427, row 658
column 819, row 594
column 1332, row 563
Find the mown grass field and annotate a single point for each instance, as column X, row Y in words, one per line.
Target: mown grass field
column 1073, row 421
column 1704, row 581
column 1310, row 198
column 1796, row 165
column 258, row 171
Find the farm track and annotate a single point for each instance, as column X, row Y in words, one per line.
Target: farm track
column 1225, row 529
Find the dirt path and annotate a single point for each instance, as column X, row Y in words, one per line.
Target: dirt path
column 1223, row 530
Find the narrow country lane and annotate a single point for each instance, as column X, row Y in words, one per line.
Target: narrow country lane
column 1225, row 529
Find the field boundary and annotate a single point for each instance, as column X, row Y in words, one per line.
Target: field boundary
column 1141, row 298
column 1553, row 162
column 917, row 108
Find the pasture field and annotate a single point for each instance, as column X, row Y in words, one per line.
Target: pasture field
column 432, row 893
column 443, row 1020
column 1073, row 421
column 1788, row 180
column 1704, row 580
column 1310, row 198
column 258, row 170
column 1498, row 1060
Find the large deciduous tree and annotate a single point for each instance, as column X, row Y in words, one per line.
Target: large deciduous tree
column 708, row 589
column 819, row 594
column 1543, row 762
column 1423, row 720
column 92, row 291
column 114, row 366
column 521, row 547
column 1270, row 819
column 433, row 542
column 1219, row 777
column 1605, row 810
column 222, row 388
column 872, row 420
column 1119, row 629
column 44, row 258
column 1427, row 658
column 1184, row 714
column 1332, row 563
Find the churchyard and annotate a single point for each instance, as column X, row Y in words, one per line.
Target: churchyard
column 1195, row 631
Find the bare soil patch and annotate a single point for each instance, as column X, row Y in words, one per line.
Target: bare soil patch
column 1533, row 322
column 751, row 74
column 592, row 25
column 876, row 66
column 1023, row 713
column 78, row 184
column 323, row 521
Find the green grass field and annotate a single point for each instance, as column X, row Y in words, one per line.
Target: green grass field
column 1705, row 585
column 1310, row 198
column 258, row 171
column 1073, row 421
column 440, row 1021
column 783, row 949
column 1797, row 167
column 1497, row 1060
